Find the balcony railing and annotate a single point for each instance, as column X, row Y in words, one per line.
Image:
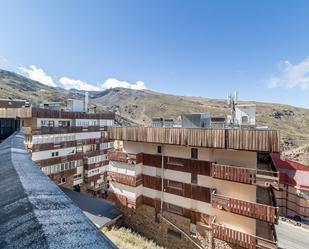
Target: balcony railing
column 249, row 209
column 119, row 156
column 245, row 175
column 238, row 238
column 60, row 130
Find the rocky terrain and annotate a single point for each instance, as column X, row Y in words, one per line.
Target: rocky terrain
column 137, row 107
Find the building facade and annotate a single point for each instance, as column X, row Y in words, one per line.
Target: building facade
column 293, row 194
column 188, row 188
column 69, row 147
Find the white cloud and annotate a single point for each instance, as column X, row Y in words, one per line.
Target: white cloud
column 68, row 83
column 292, row 76
column 78, row 84
column 114, row 83
column 38, row 74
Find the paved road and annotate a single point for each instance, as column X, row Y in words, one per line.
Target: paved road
column 292, row 237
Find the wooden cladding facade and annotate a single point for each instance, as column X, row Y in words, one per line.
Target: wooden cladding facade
column 59, row 130
column 186, row 190
column 238, row 139
column 89, row 166
column 187, row 165
column 67, row 144
column 57, row 160
column 249, row 209
column 119, row 156
column 132, row 181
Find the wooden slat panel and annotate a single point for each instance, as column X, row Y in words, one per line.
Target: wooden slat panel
column 239, row 139
column 249, row 209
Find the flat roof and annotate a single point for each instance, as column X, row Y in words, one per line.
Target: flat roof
column 35, row 213
column 101, row 212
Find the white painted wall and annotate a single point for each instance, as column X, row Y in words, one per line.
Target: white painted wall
column 128, row 191
column 40, row 155
column 123, row 168
column 57, row 138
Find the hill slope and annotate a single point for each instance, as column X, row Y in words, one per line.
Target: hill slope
column 138, row 106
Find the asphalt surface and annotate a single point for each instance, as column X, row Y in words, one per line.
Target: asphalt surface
column 292, row 237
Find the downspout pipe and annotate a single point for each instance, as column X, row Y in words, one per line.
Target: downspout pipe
column 162, row 179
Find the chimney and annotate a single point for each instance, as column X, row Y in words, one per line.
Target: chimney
column 86, row 102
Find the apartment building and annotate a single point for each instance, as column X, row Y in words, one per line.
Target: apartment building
column 293, row 193
column 196, row 188
column 69, row 147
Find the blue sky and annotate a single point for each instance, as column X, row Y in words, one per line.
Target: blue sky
column 197, row 48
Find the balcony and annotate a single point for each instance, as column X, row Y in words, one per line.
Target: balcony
column 238, row 238
column 257, row 177
column 262, row 212
column 60, row 130
column 119, row 156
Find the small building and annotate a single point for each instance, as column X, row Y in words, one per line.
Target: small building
column 218, row 122
column 56, row 106
column 293, row 194
column 157, row 122
column 245, row 115
column 75, row 105
column 196, row 120
column 168, row 123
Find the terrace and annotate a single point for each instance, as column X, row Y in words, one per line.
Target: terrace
column 264, row 212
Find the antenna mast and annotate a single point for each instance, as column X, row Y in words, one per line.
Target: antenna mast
column 232, row 101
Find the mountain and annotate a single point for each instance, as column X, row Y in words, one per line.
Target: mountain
column 139, row 106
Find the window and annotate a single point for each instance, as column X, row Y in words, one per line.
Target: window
column 49, row 123
column 175, row 160
column 173, row 184
column 64, row 123
column 244, row 119
column 62, row 180
column 56, row 153
column 194, row 153
column 159, row 149
column 174, row 233
column 193, row 230
column 194, row 178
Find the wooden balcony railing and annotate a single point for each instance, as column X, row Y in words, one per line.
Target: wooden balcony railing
column 132, row 181
column 238, row 238
column 244, row 175
column 249, row 209
column 119, row 156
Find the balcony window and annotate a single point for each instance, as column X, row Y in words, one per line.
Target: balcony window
column 175, row 161
column 194, row 153
column 174, row 184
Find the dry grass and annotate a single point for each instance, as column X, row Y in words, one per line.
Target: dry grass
column 125, row 238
